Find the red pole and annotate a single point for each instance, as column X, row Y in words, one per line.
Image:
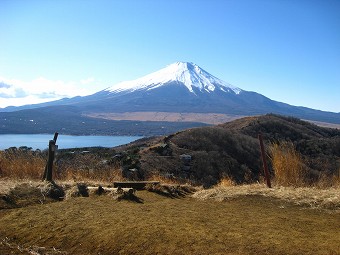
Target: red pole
column 265, row 167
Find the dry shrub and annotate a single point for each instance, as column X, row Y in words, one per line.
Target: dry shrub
column 328, row 180
column 21, row 164
column 87, row 167
column 171, row 180
column 24, row 193
column 125, row 194
column 226, row 182
column 336, row 179
column 99, row 175
column 172, row 191
column 97, row 191
column 79, row 190
column 51, row 190
column 27, row 164
column 288, row 165
column 83, row 190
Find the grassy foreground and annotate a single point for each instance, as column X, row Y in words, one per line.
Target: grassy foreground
column 249, row 224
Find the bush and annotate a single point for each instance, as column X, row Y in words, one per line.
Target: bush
column 289, row 168
column 22, row 163
column 218, row 152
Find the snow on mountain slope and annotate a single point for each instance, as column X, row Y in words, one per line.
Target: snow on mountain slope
column 189, row 74
column 179, row 88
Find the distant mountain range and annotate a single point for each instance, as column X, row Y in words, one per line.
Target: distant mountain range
column 181, row 89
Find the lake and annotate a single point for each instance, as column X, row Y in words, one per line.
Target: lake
column 64, row 141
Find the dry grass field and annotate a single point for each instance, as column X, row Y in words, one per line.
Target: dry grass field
column 247, row 219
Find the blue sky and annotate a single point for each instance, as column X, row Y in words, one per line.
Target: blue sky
column 287, row 50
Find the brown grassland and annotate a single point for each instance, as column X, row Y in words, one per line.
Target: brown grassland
column 209, row 118
column 159, row 225
column 296, row 216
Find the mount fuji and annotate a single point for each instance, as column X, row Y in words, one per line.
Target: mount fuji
column 179, row 92
column 183, row 73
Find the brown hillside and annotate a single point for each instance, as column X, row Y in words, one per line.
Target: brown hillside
column 280, row 128
column 232, row 150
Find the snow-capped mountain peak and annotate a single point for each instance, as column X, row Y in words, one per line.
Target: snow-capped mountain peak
column 189, row 74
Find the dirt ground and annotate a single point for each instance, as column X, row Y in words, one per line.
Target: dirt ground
column 248, row 224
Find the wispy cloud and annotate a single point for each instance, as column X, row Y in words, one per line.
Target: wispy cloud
column 15, row 92
column 10, row 91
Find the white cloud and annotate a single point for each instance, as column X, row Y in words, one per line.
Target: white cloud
column 88, row 80
column 22, row 101
column 14, row 92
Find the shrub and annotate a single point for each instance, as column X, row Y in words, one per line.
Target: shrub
column 226, row 182
column 88, row 166
column 289, row 168
column 22, row 163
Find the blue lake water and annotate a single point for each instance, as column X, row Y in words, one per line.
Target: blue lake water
column 63, row 141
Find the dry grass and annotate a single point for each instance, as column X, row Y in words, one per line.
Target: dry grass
column 14, row 194
column 308, row 196
column 326, row 181
column 289, row 168
column 8, row 183
column 226, row 182
column 77, row 190
column 30, row 165
column 87, row 167
column 83, row 190
column 21, row 164
column 98, row 175
column 7, row 245
column 209, row 118
column 94, row 222
column 171, row 180
column 172, row 191
column 159, row 225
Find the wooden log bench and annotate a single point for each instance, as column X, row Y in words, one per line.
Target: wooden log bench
column 137, row 185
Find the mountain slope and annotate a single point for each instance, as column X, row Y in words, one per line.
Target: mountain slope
column 232, row 149
column 178, row 88
column 189, row 74
column 185, row 87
